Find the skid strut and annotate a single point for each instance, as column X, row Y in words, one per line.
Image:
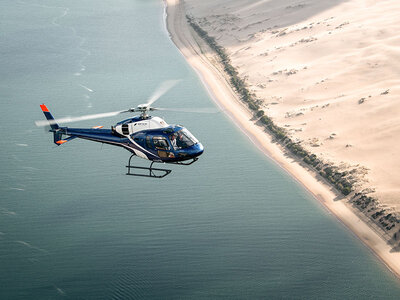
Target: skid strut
column 159, row 173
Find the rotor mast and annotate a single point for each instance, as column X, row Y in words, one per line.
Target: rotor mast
column 143, row 109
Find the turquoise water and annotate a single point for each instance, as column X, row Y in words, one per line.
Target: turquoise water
column 73, row 226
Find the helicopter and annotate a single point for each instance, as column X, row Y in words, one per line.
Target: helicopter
column 145, row 136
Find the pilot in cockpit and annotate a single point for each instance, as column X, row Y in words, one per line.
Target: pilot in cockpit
column 173, row 140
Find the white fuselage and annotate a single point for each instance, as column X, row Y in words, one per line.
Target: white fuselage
column 145, row 124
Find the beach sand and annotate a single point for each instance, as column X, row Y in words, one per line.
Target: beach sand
column 326, row 71
column 341, row 103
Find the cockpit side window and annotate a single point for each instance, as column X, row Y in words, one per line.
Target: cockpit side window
column 182, row 139
column 160, row 143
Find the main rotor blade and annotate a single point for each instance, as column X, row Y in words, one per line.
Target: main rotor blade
column 161, row 90
column 80, row 118
column 206, row 110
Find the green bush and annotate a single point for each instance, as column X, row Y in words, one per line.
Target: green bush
column 266, row 120
column 252, row 105
column 260, row 113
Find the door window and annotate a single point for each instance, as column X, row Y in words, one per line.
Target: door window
column 160, row 143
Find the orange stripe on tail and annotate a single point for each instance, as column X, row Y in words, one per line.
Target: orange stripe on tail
column 44, row 108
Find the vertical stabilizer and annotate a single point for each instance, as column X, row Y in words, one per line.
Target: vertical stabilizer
column 49, row 117
column 57, row 134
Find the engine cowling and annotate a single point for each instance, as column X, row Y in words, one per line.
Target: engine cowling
column 129, row 128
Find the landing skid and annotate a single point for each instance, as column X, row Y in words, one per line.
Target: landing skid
column 153, row 172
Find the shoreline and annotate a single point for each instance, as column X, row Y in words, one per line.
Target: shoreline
column 226, row 98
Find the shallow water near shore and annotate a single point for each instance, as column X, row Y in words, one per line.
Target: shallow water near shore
column 72, row 225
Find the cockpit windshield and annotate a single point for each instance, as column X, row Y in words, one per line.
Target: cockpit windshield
column 182, row 139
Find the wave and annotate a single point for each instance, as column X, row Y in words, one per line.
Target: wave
column 31, row 246
column 7, row 212
column 86, row 88
column 59, row 290
column 17, row 189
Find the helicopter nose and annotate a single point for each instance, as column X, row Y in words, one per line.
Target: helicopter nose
column 191, row 152
column 199, row 149
column 195, row 150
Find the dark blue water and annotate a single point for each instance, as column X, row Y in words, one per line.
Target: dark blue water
column 73, row 226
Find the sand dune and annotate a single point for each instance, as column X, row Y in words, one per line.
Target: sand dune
column 327, row 71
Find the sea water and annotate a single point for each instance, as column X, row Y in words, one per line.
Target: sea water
column 73, row 226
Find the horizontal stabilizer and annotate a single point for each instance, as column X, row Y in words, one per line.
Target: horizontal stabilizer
column 63, row 141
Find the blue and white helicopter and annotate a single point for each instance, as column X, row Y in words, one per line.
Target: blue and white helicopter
column 147, row 137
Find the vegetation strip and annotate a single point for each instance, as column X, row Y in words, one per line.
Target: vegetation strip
column 342, row 181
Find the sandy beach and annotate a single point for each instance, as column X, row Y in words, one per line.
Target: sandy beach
column 335, row 106
column 324, row 70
